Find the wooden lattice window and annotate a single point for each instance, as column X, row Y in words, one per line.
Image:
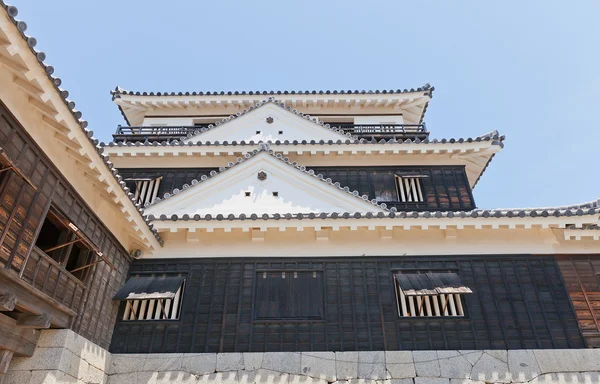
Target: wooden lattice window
column 145, row 189
column 430, row 294
column 152, row 297
column 410, row 188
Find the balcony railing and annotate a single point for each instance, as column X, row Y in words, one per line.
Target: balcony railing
column 386, row 131
column 368, row 131
column 46, row 275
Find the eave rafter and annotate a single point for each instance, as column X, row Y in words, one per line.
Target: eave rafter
column 32, row 77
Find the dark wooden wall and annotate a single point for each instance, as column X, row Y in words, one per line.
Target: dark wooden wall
column 582, row 277
column 518, row 302
column 25, row 196
column 444, row 188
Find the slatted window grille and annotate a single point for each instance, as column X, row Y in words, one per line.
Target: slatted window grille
column 410, row 189
column 154, row 309
column 430, row 305
column 426, row 295
column 146, row 190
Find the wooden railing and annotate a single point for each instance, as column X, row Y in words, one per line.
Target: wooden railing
column 377, row 131
column 47, row 276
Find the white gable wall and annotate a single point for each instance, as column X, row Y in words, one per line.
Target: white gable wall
column 253, row 126
column 297, row 192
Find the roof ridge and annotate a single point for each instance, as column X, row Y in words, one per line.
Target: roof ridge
column 12, row 13
column 253, row 107
column 265, row 148
column 427, row 87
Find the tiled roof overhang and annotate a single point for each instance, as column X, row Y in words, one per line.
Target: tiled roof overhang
column 426, row 90
column 124, row 195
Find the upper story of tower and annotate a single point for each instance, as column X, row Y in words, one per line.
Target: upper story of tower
column 365, row 114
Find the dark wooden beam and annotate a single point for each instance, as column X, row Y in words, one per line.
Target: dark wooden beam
column 31, row 300
column 8, row 301
column 20, row 341
column 25, row 320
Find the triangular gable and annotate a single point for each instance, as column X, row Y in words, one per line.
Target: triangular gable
column 262, row 183
column 270, row 120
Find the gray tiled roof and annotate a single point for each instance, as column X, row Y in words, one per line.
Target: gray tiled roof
column 265, row 148
column 392, row 213
column 12, row 12
column 118, row 91
column 493, row 136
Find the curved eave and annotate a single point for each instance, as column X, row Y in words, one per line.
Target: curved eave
column 35, row 77
column 135, row 105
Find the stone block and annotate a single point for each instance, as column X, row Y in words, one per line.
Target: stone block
column 42, row 359
column 199, row 363
column 399, row 364
column 265, row 376
column 567, row 378
column 499, row 354
column 216, row 378
column 95, row 355
column 286, row 362
column 346, row 365
column 371, row 365
column 456, row 367
column 465, row 381
column 17, row 377
column 431, row 380
column 245, row 377
column 490, row 369
column 568, row 360
column 426, row 363
column 51, row 377
column 522, row 365
column 127, row 363
column 472, row 356
column 162, row 362
column 131, row 378
column 320, row 365
column 230, row 361
column 301, row 379
column 252, row 360
column 94, row 375
column 395, row 381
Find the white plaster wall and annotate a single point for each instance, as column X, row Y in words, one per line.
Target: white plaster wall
column 226, row 193
column 168, row 121
column 253, row 126
column 383, row 119
column 289, row 242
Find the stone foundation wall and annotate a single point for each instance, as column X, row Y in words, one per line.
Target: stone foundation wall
column 61, row 356
column 64, row 357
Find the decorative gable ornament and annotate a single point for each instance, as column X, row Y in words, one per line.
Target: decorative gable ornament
column 270, row 120
column 262, row 176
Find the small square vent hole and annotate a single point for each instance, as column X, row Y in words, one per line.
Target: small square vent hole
column 281, row 132
column 258, row 132
column 247, row 194
column 276, row 194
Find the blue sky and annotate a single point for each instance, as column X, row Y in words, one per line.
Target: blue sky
column 528, row 69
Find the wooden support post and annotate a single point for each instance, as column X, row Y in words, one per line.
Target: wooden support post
column 18, row 340
column 33, row 321
column 8, row 302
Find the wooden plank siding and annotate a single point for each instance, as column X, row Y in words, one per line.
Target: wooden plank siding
column 444, row 188
column 581, row 274
column 517, row 302
column 26, row 193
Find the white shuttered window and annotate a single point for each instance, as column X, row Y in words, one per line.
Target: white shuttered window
column 410, row 189
column 154, row 309
column 146, row 189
